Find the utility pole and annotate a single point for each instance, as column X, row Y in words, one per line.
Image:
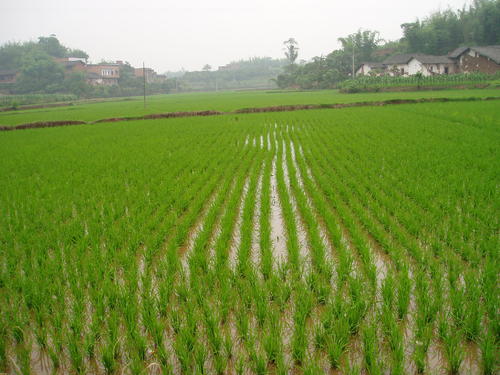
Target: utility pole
column 144, row 81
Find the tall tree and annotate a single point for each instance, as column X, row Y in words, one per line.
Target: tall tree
column 362, row 43
column 291, row 50
column 39, row 73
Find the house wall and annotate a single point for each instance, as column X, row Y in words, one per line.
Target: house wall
column 363, row 70
column 415, row 66
column 102, row 81
column 473, row 62
column 8, row 77
column 80, row 68
column 105, row 70
column 150, row 74
column 402, row 69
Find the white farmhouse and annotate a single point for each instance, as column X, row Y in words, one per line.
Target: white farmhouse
column 427, row 65
column 430, row 65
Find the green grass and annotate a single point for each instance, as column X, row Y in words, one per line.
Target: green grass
column 137, row 245
column 221, row 101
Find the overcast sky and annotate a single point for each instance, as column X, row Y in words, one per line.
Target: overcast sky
column 170, row 35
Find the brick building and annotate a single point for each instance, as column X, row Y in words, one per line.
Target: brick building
column 477, row 59
column 72, row 64
column 103, row 74
column 150, row 74
column 8, row 76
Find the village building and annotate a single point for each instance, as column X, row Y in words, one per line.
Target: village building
column 477, row 59
column 462, row 60
column 148, row 72
column 8, row 76
column 72, row 64
column 430, row 65
column 411, row 64
column 106, row 74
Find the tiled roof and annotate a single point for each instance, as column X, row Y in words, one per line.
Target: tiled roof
column 492, row 52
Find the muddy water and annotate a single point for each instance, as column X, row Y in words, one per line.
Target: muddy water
column 186, row 250
column 236, row 236
column 277, row 223
column 301, row 232
column 322, row 229
column 255, row 254
column 380, row 259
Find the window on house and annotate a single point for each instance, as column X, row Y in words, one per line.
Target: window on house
column 445, row 70
column 402, row 70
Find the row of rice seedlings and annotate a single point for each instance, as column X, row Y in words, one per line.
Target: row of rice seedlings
column 324, row 184
column 474, row 321
column 333, row 229
column 217, row 314
column 265, row 243
column 154, row 329
column 403, row 294
column 388, row 202
column 76, row 322
column 450, row 241
column 321, row 268
column 243, row 257
column 222, row 245
column 152, row 308
column 292, row 239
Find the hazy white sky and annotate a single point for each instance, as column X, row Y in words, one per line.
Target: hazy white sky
column 170, row 35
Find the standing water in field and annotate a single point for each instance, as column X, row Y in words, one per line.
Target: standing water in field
column 277, row 223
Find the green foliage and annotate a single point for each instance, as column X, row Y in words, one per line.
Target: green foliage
column 416, row 82
column 443, row 31
column 39, row 73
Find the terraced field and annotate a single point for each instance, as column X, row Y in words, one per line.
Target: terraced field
column 361, row 240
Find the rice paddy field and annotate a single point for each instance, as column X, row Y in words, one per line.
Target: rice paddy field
column 219, row 101
column 351, row 241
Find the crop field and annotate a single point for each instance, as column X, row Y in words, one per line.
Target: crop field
column 353, row 241
column 218, row 101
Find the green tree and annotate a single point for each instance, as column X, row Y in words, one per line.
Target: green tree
column 39, row 73
column 362, row 43
column 52, row 46
column 75, row 83
column 77, row 53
